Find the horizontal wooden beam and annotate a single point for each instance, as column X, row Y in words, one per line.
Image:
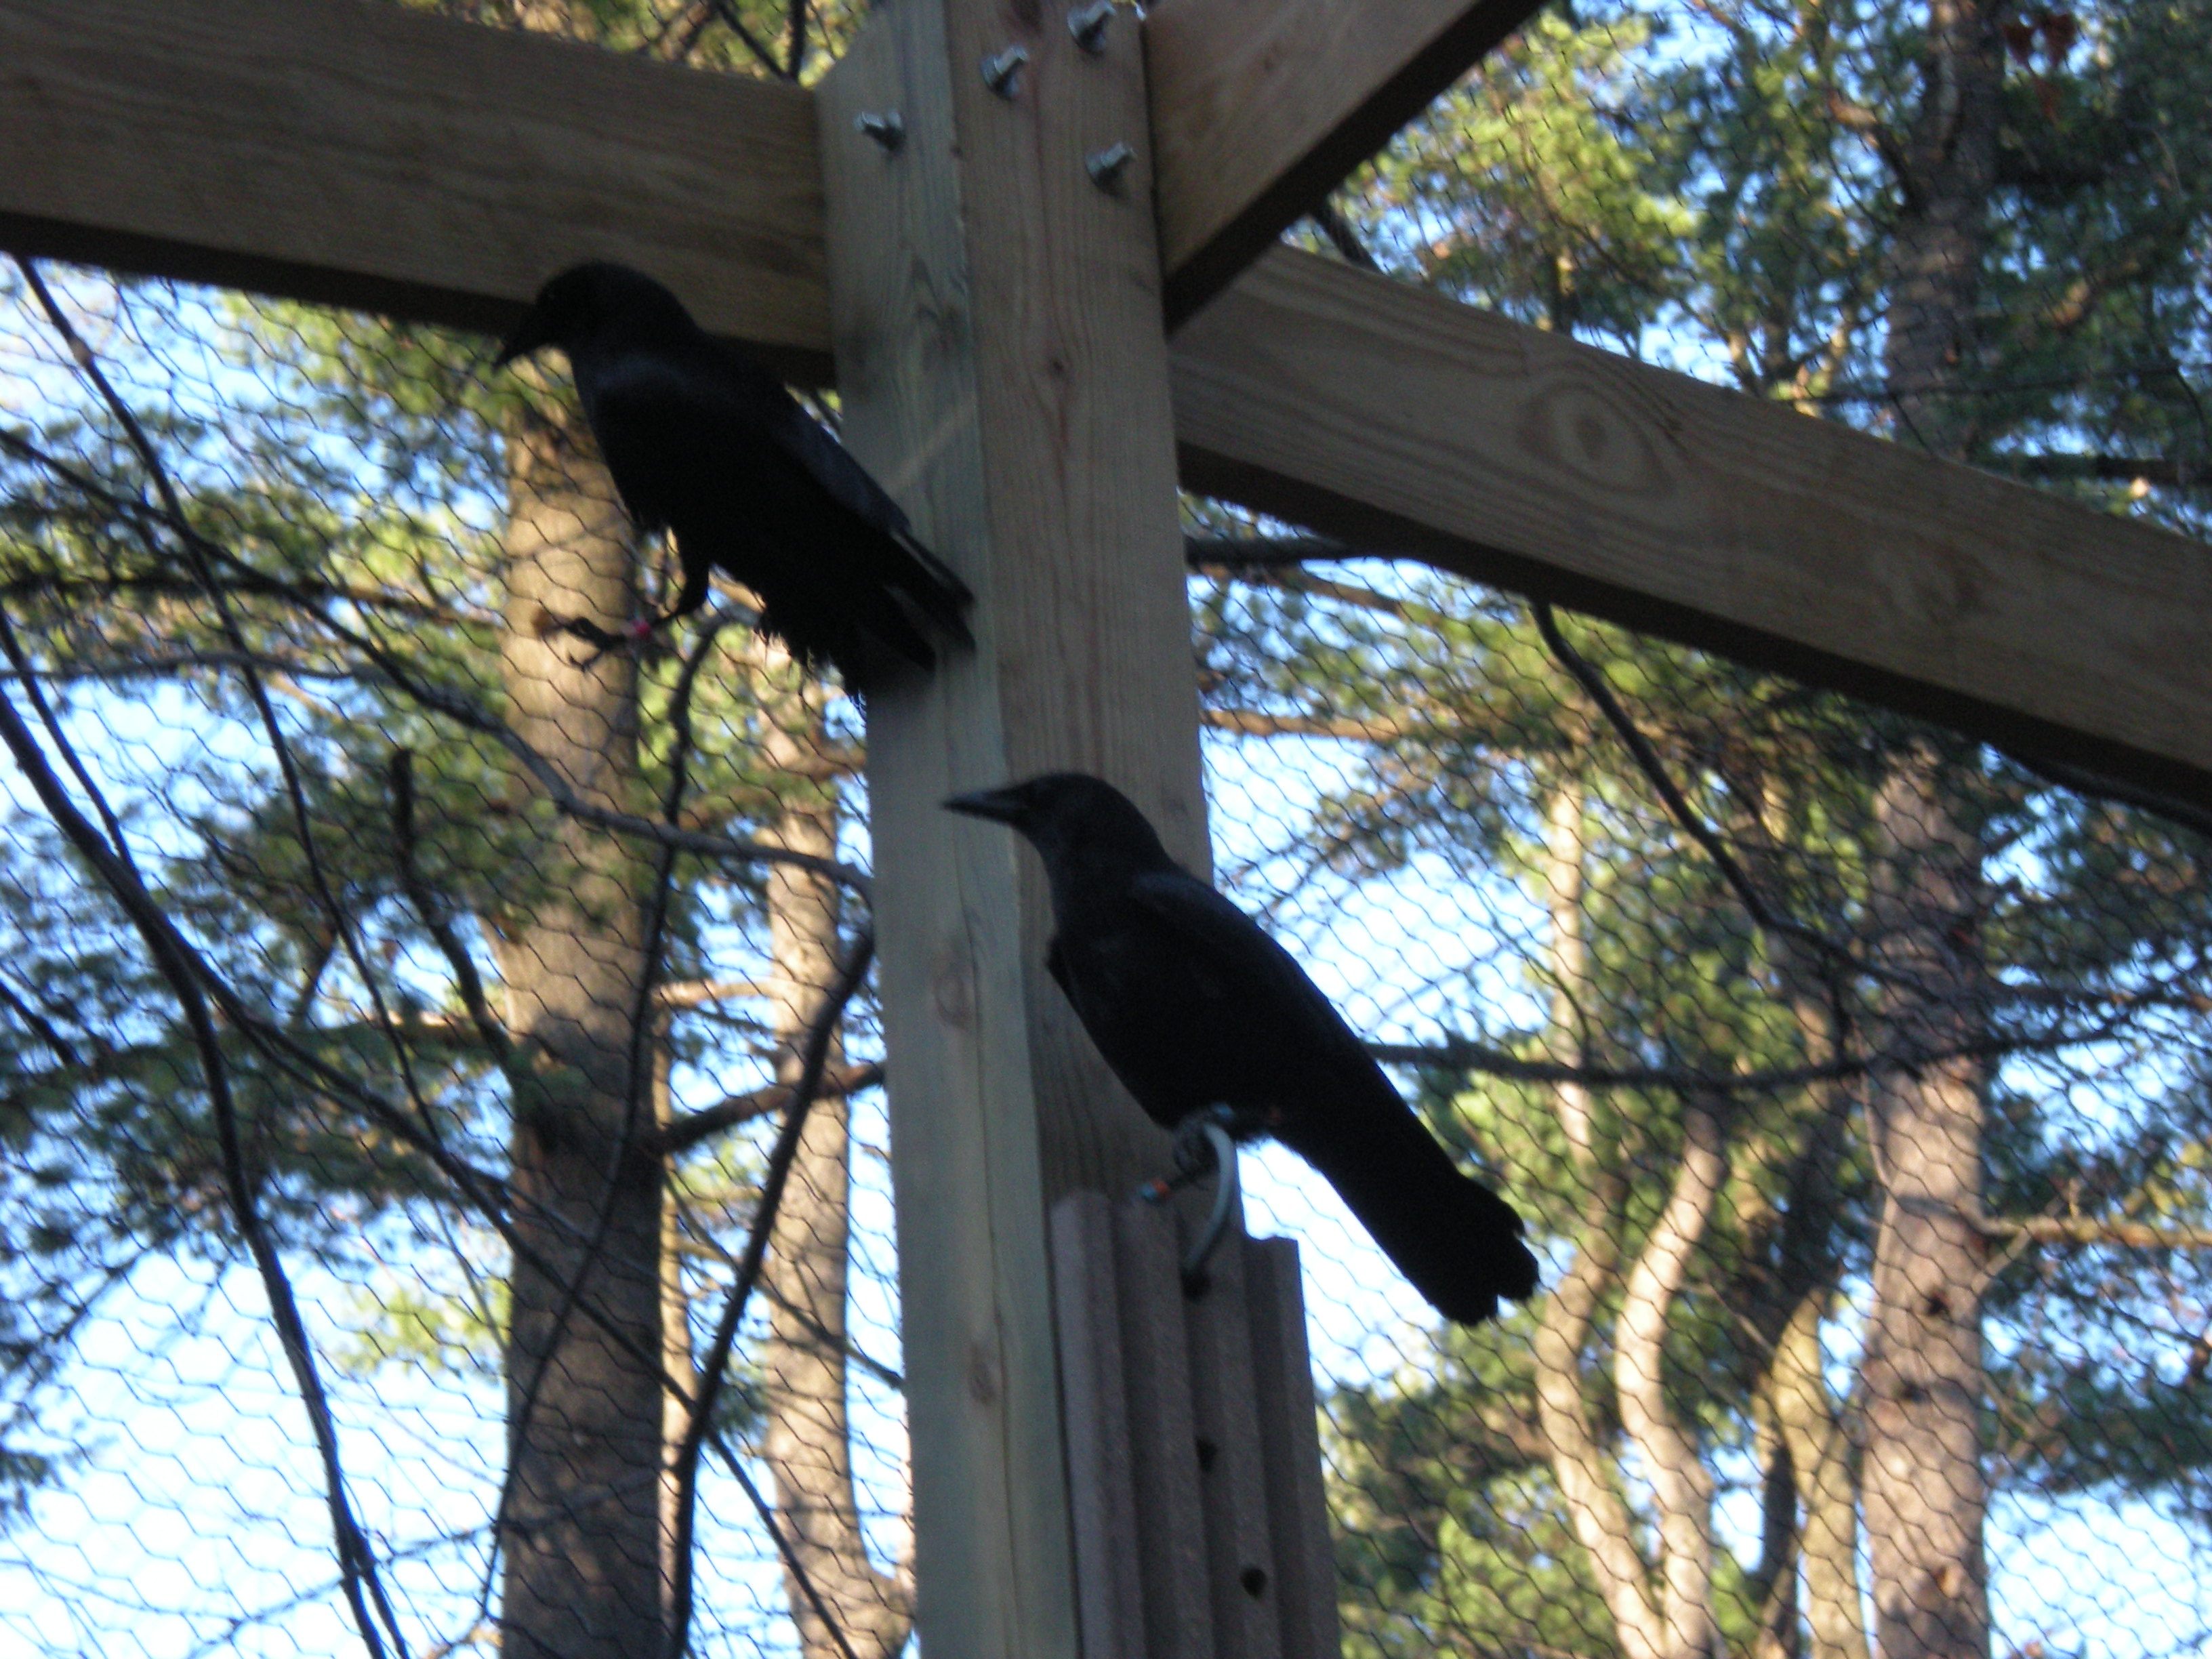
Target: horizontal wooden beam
column 361, row 154
column 1262, row 107
column 1399, row 421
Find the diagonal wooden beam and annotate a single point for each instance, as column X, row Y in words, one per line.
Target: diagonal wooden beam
column 364, row 155
column 1402, row 422
column 1262, row 107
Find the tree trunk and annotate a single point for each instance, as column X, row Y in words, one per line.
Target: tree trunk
column 1681, row 1485
column 581, row 1533
column 1587, row 1480
column 1924, row 1491
column 1771, row 1600
column 808, row 1437
column 1819, row 1463
column 1925, row 1496
column 1949, row 166
column 677, row 1357
column 1801, row 1285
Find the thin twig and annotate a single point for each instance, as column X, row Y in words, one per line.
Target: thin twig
column 1655, row 771
column 432, row 912
column 195, row 549
column 784, row 1548
column 460, row 709
column 357, row 1560
column 1342, row 237
column 464, row 712
column 736, row 25
column 681, row 1134
column 794, row 40
column 815, row 1057
column 1496, row 1062
column 2102, row 786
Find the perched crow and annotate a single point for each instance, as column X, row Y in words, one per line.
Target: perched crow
column 705, row 442
column 1193, row 1004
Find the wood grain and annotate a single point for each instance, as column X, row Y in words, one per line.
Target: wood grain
column 1233, row 1497
column 1164, row 1431
column 997, row 330
column 1290, row 1442
column 359, row 154
column 1101, row 1479
column 1201, row 1520
column 1402, row 422
column 1262, row 107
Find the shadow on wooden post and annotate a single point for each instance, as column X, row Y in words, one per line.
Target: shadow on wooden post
column 1194, row 1461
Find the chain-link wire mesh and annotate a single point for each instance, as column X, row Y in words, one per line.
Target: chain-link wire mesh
column 380, row 952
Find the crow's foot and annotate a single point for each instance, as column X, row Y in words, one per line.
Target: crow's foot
column 601, row 640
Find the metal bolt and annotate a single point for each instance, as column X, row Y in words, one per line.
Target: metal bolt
column 1002, row 70
column 1088, row 24
column 887, row 127
column 1106, row 165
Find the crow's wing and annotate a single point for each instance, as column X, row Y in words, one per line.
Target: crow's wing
column 665, row 435
column 701, row 441
column 918, row 572
column 1259, row 982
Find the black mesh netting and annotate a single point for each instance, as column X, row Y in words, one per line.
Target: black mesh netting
column 375, row 956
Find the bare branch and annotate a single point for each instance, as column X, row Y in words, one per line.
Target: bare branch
column 1258, row 723
column 356, row 1560
column 1235, row 554
column 681, row 1134
column 2165, row 471
column 815, row 1056
column 2096, row 1229
column 1655, row 771
column 432, row 912
column 1342, row 236
column 469, row 715
column 753, row 43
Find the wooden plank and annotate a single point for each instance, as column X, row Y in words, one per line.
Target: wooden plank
column 1004, row 371
column 361, row 154
column 1102, row 1482
column 1232, row 1463
column 1262, row 107
column 1171, row 1542
column 1399, row 421
column 1289, row 1441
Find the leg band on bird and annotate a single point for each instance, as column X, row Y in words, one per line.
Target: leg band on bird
column 1203, row 1144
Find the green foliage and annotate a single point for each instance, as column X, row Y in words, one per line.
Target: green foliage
column 1720, row 186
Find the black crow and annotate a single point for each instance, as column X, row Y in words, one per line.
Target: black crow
column 1193, row 1004
column 707, row 443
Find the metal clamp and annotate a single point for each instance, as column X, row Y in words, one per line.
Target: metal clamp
column 1203, row 1145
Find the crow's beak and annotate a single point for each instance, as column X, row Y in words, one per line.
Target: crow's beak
column 530, row 335
column 999, row 806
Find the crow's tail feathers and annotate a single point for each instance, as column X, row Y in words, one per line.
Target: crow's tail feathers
column 1458, row 1243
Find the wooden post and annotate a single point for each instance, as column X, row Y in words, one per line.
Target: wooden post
column 995, row 316
column 1193, row 1457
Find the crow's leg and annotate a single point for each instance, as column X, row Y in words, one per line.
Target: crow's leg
column 600, row 639
column 1204, row 1144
